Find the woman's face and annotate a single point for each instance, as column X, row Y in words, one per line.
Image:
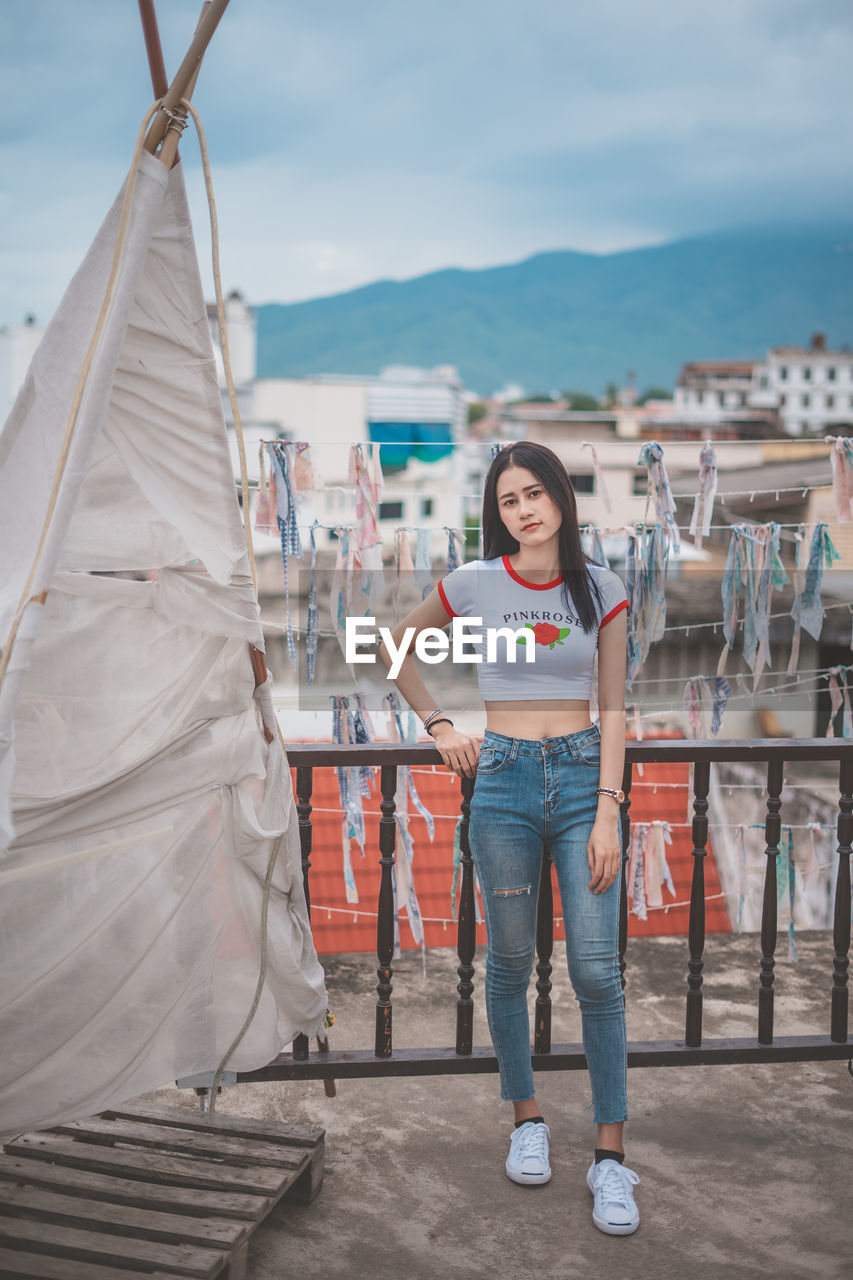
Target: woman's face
column 529, row 513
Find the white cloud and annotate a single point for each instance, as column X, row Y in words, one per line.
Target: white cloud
column 352, row 142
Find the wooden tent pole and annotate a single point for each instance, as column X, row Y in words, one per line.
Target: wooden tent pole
column 160, row 85
column 186, row 71
column 168, row 153
column 153, row 48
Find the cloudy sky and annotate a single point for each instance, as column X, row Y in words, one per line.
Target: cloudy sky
column 361, row 139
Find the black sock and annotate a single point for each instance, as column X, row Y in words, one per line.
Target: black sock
column 601, row 1153
column 530, row 1120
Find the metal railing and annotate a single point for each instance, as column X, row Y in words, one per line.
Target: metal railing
column 465, row 1057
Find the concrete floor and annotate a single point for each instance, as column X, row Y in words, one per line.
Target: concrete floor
column 745, row 1171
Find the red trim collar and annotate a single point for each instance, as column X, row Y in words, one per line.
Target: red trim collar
column 532, row 586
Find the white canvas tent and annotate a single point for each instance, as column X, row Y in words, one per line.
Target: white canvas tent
column 140, row 801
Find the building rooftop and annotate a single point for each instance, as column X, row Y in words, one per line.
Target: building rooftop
column 742, row 1169
column 742, row 367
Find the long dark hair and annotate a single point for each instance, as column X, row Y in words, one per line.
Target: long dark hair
column 580, row 588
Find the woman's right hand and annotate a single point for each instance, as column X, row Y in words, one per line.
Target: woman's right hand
column 458, row 751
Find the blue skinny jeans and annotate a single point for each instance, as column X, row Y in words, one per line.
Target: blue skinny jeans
column 528, row 793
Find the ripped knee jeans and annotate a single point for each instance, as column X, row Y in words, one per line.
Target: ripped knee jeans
column 528, row 793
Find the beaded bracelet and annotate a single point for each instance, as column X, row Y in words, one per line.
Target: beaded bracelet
column 441, row 720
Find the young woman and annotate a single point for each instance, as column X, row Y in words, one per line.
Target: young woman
column 544, row 775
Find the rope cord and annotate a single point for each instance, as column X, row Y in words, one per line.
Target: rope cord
column 73, row 417
column 244, row 474
column 223, row 333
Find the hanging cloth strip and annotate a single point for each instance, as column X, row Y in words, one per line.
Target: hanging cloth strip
column 807, row 610
column 369, row 487
column 423, row 562
column 742, row 879
column 705, row 699
column 405, row 877
column 410, row 735
column 291, row 544
column 703, row 507
column 786, row 883
column 339, row 594
column 720, row 693
column 651, row 457
column 636, row 877
column 302, row 467
column 266, row 502
column 839, row 695
column 842, row 476
column 368, row 579
column 352, row 822
column 656, row 872
column 313, row 628
column 455, row 548
column 360, row 735
column 599, row 555
column 754, row 567
column 645, row 579
column 601, row 487
column 403, row 564
column 692, row 705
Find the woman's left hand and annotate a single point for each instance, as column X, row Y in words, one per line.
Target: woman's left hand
column 604, row 854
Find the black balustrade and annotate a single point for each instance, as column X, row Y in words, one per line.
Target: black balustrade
column 625, row 820
column 466, row 944
column 696, row 925
column 841, row 919
column 385, row 915
column 772, row 834
column 465, row 1057
column 304, row 791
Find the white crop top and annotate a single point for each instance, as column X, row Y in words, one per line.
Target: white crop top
column 564, row 652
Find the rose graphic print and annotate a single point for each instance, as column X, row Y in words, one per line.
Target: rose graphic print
column 547, row 633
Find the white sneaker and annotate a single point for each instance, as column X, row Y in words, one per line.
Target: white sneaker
column 614, row 1210
column 527, row 1161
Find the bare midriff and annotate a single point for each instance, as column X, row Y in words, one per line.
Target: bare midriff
column 537, row 719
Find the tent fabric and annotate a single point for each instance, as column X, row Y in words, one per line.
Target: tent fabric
column 140, row 802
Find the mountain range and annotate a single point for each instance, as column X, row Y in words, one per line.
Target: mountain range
column 577, row 321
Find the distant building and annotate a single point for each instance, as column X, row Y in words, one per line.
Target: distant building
column 712, row 389
column 417, row 416
column 806, row 390
column 242, row 329
column 811, row 387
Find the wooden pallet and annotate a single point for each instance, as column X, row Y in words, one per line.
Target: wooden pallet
column 150, row 1191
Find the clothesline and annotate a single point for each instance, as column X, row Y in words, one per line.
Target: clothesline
column 440, row 770
column 558, row 920
column 717, row 826
column 811, row 671
column 619, row 442
column 695, row 626
column 664, row 710
column 584, row 525
column 686, row 627
column 720, row 497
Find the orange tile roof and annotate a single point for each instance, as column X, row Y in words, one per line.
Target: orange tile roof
column 339, row 926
